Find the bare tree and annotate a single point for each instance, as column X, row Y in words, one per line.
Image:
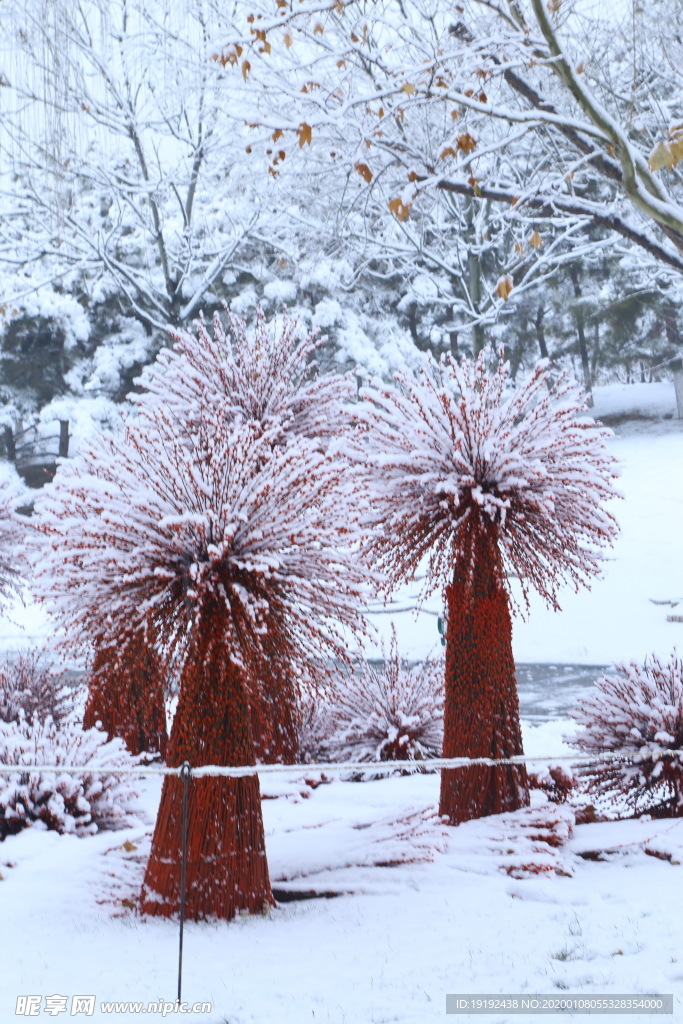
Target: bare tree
column 512, row 112
column 123, row 164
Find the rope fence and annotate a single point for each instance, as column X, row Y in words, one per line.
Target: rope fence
column 335, row 767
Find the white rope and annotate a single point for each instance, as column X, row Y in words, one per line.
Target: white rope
column 383, row 767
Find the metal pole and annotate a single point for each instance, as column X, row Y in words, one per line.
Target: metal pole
column 185, row 775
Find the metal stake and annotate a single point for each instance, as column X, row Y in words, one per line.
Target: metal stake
column 185, row 775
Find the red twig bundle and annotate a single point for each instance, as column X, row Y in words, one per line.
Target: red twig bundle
column 487, row 484
column 236, row 540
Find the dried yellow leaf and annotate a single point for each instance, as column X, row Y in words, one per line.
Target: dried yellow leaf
column 504, row 287
column 400, row 209
column 408, row 88
column 364, row 172
column 305, row 133
column 536, row 241
column 466, row 143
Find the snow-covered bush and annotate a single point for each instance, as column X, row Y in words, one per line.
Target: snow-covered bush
column 28, row 688
column 312, row 729
column 81, row 804
column 637, row 713
column 239, row 543
column 556, row 781
column 394, row 715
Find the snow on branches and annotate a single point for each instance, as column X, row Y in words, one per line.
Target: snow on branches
column 28, row 688
column 394, row 715
column 267, row 376
column 11, row 535
column 454, row 452
column 38, row 725
column 637, row 712
column 168, row 519
column 80, row 804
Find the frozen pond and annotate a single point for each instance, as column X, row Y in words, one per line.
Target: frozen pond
column 548, row 692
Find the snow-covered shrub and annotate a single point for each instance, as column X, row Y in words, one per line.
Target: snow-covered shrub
column 480, row 481
column 239, row 542
column 636, row 713
column 29, row 689
column 81, row 804
column 312, row 729
column 394, row 715
column 556, row 781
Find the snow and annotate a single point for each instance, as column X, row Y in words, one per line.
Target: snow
column 448, row 915
column 280, row 292
column 616, row 619
column 657, row 399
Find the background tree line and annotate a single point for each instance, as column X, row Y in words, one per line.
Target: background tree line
column 405, row 176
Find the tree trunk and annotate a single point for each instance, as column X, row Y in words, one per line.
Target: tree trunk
column 227, row 870
column 64, row 438
column 474, row 286
column 482, row 707
column 540, row 331
column 581, row 335
column 126, row 695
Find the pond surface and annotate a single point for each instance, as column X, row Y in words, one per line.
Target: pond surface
column 548, row 692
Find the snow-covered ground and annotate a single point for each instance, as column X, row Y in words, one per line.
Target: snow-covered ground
column 422, row 910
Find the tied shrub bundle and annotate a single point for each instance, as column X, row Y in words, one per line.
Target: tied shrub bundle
column 638, row 713
column 485, row 481
column 390, row 715
column 237, row 540
column 79, row 804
